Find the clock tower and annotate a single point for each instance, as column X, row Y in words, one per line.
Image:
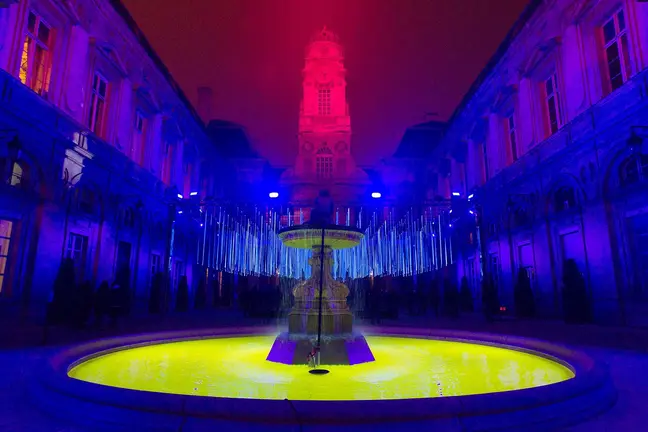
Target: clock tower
column 324, row 159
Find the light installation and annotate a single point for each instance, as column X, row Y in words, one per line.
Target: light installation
column 398, row 242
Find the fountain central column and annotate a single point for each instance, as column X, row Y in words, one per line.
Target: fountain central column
column 339, row 344
column 336, row 315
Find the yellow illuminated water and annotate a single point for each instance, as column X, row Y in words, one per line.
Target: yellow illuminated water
column 235, row 367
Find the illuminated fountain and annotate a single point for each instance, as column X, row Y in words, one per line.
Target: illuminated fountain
column 321, row 317
column 207, row 379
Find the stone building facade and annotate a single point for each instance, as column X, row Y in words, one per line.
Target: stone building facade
column 549, row 144
column 100, row 152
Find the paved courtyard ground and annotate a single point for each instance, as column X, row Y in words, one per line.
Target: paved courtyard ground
column 624, row 350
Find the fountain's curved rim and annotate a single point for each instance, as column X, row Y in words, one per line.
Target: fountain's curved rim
column 307, row 236
column 590, row 391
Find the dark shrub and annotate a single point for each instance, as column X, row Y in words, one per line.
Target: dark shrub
column 201, row 294
column 157, row 289
column 61, row 309
column 450, row 298
column 182, row 298
column 523, row 295
column 466, row 296
column 490, row 300
column 576, row 304
column 122, row 296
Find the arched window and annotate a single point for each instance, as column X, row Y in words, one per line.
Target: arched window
column 564, row 199
column 17, row 174
column 324, row 163
column 634, row 170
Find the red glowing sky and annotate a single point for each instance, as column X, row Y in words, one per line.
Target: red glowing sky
column 405, row 58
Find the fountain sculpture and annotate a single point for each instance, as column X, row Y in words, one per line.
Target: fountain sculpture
column 333, row 327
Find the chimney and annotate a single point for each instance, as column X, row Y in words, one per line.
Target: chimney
column 205, row 102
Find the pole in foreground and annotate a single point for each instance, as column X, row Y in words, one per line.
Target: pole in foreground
column 317, row 370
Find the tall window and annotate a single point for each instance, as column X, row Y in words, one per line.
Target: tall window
column 324, row 101
column 512, row 136
column 615, row 38
column 36, row 58
column 97, row 110
column 324, row 163
column 5, row 240
column 76, row 249
column 552, row 101
column 156, row 261
column 138, row 147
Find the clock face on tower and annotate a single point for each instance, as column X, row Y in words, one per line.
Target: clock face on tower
column 323, row 76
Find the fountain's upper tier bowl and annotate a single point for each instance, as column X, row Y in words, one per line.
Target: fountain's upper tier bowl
column 307, row 236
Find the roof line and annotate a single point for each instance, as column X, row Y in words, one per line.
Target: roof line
column 119, row 7
column 519, row 24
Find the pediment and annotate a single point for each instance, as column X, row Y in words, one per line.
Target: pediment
column 479, row 130
column 503, row 97
column 539, row 57
column 69, row 10
column 145, row 95
column 576, row 10
column 171, row 130
column 110, row 53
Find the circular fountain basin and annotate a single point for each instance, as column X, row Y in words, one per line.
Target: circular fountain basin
column 405, row 368
column 455, row 380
